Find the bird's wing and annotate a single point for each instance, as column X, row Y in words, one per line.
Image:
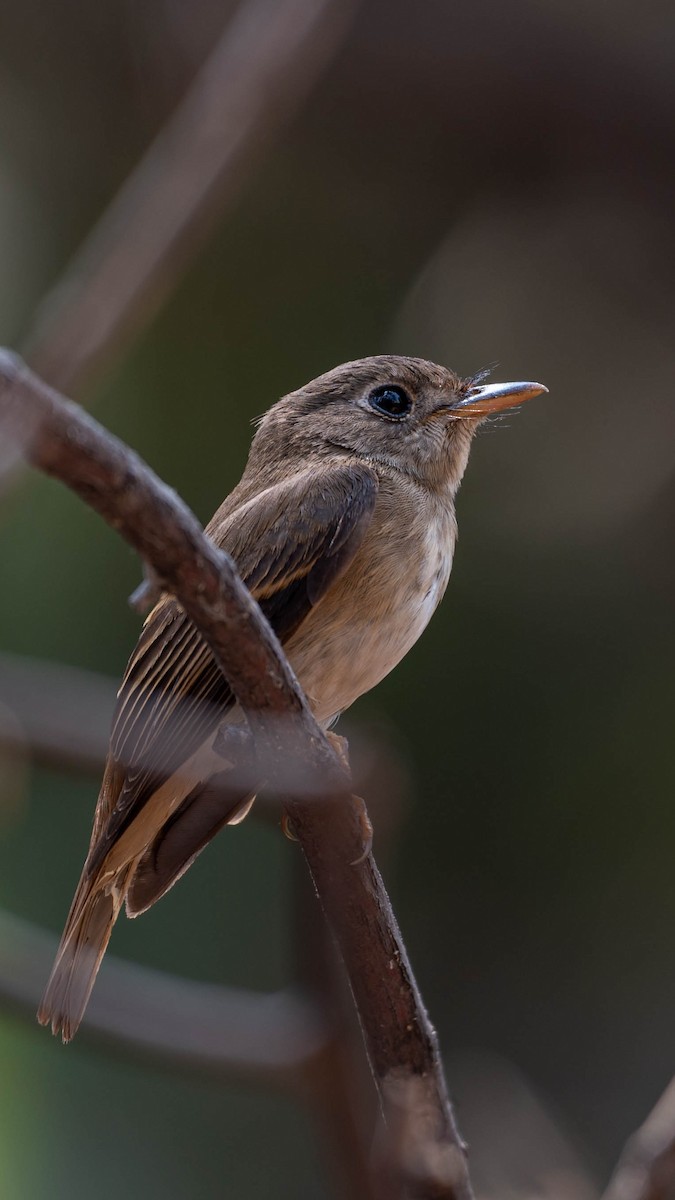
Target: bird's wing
column 290, row 544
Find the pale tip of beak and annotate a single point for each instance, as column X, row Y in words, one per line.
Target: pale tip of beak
column 493, row 397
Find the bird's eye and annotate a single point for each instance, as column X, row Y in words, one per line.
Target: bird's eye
column 390, row 401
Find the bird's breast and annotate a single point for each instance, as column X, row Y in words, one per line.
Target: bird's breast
column 373, row 615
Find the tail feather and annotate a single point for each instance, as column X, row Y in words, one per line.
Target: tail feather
column 82, row 947
column 139, row 867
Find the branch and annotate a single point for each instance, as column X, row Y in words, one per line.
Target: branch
column 65, row 442
column 255, row 79
column 62, row 714
column 176, row 1022
column 646, row 1169
column 59, row 717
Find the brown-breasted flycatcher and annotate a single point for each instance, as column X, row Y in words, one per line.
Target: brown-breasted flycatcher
column 343, row 527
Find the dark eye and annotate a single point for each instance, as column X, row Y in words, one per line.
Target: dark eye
column 390, row 402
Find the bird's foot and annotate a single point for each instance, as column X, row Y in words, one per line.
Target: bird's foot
column 365, row 824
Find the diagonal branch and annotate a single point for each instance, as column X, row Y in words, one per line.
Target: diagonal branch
column 62, row 440
column 59, row 717
column 646, row 1169
column 259, row 73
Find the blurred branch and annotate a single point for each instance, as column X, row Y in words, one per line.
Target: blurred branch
column 176, row 1022
column 59, row 717
column 65, row 442
column 522, row 1150
column 14, row 765
column 10, row 464
column 646, row 1169
column 260, row 71
column 343, row 1094
column 62, row 714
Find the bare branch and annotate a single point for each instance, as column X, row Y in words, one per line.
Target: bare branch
column 646, row 1169
column 65, row 442
column 261, row 70
column 177, row 1022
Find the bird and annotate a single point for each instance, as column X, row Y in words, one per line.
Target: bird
column 343, row 528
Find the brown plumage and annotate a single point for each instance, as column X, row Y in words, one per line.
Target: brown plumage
column 343, row 527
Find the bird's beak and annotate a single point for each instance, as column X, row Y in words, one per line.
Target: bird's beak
column 493, row 397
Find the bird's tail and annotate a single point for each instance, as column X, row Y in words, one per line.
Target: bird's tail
column 78, row 959
column 139, row 867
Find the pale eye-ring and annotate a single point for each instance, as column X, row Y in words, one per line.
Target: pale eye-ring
column 390, row 401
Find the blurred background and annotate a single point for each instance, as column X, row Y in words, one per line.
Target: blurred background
column 473, row 184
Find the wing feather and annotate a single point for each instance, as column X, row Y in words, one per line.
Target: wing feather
column 290, row 544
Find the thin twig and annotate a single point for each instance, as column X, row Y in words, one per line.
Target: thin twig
column 275, row 1038
column 646, row 1169
column 260, row 71
column 62, row 440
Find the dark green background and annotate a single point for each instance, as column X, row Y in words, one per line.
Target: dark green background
column 470, row 184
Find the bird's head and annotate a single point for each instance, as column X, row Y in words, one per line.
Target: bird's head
column 397, row 413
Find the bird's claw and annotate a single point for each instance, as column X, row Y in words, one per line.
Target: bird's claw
column 287, row 828
column 365, row 824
